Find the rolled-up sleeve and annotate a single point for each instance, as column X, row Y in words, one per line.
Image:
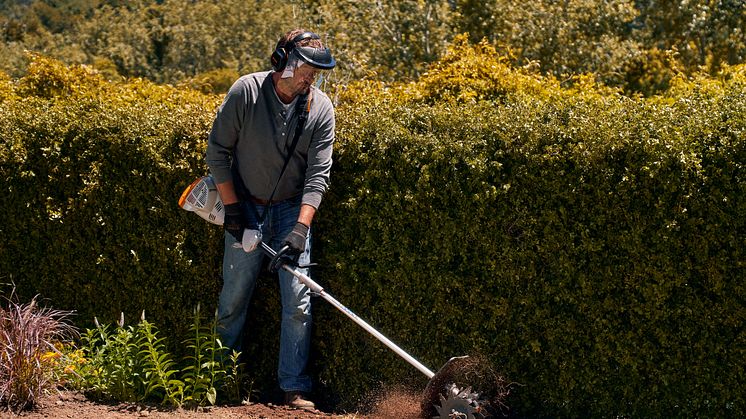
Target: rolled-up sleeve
column 319, row 159
column 225, row 130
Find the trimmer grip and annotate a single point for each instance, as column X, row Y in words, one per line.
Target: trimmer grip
column 280, row 258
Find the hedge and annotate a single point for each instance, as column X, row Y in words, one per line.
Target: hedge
column 590, row 245
column 92, row 172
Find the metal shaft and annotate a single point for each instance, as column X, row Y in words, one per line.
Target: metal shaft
column 310, row 283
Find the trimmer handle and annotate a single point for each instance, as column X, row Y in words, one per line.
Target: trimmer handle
column 280, row 258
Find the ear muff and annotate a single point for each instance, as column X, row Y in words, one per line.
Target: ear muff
column 282, row 51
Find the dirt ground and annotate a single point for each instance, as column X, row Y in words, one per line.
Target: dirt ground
column 76, row 406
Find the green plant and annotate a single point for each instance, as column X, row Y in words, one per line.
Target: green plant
column 236, row 380
column 113, row 369
column 203, row 376
column 159, row 370
column 66, row 365
column 133, row 364
column 27, row 351
column 91, row 378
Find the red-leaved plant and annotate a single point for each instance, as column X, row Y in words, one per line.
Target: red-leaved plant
column 27, row 336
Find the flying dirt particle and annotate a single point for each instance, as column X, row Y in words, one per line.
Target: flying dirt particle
column 396, row 402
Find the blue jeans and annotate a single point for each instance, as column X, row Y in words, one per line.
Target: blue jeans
column 240, row 272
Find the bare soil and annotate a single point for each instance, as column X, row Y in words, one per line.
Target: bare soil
column 76, row 406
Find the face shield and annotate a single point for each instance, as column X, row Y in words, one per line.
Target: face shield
column 319, row 58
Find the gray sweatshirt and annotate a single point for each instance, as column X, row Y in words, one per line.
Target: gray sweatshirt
column 253, row 122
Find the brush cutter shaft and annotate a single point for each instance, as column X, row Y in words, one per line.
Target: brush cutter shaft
column 362, row 323
column 316, row 288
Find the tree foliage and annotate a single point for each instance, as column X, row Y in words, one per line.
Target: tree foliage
column 636, row 45
column 387, row 40
column 562, row 38
column 705, row 33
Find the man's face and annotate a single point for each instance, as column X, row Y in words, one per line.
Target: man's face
column 303, row 77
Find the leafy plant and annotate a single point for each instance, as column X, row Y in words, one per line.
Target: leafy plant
column 236, row 380
column 67, row 362
column 205, row 373
column 27, row 351
column 133, row 364
column 159, row 369
column 113, row 368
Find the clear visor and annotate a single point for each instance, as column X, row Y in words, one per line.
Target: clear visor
column 295, row 65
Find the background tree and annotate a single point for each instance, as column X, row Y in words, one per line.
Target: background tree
column 128, row 37
column 225, row 34
column 563, row 38
column 638, row 45
column 391, row 40
column 705, row 33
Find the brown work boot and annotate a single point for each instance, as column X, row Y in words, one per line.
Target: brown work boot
column 297, row 400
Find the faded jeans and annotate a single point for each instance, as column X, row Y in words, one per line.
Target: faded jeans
column 240, row 272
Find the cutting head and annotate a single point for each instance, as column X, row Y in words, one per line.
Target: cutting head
column 449, row 392
column 460, row 404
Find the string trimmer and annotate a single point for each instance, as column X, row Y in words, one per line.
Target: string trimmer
column 449, row 401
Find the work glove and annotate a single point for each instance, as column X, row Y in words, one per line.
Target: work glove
column 296, row 239
column 233, row 222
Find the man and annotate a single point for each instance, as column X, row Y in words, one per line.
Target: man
column 271, row 184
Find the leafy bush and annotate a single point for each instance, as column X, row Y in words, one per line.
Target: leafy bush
column 28, row 333
column 96, row 168
column 215, row 81
column 590, row 244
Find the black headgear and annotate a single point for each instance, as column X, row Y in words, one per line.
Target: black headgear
column 316, row 57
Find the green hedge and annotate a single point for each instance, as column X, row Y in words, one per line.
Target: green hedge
column 92, row 173
column 589, row 244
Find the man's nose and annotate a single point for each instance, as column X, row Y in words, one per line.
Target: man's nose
column 309, row 77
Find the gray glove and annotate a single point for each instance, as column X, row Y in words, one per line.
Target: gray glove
column 296, row 239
